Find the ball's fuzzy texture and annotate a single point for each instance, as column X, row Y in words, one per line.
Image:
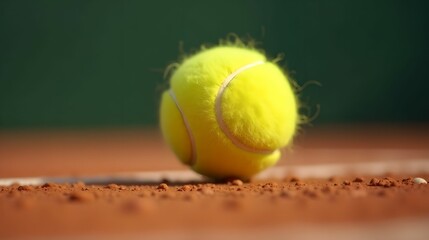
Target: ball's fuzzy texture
column 228, row 112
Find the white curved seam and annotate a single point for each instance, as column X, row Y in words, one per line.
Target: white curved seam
column 187, row 126
column 218, row 110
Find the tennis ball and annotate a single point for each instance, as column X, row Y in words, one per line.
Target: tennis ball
column 228, row 112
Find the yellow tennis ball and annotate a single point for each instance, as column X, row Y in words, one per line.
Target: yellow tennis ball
column 228, row 112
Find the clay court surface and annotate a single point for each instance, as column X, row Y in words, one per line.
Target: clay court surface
column 336, row 182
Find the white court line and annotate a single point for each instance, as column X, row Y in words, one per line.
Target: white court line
column 364, row 151
column 414, row 166
column 357, row 149
column 411, row 166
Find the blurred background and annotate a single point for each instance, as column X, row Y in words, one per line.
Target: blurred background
column 80, row 64
column 80, row 81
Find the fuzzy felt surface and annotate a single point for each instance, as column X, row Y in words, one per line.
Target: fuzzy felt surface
column 259, row 110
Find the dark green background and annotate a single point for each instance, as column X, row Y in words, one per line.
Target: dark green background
column 100, row 63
